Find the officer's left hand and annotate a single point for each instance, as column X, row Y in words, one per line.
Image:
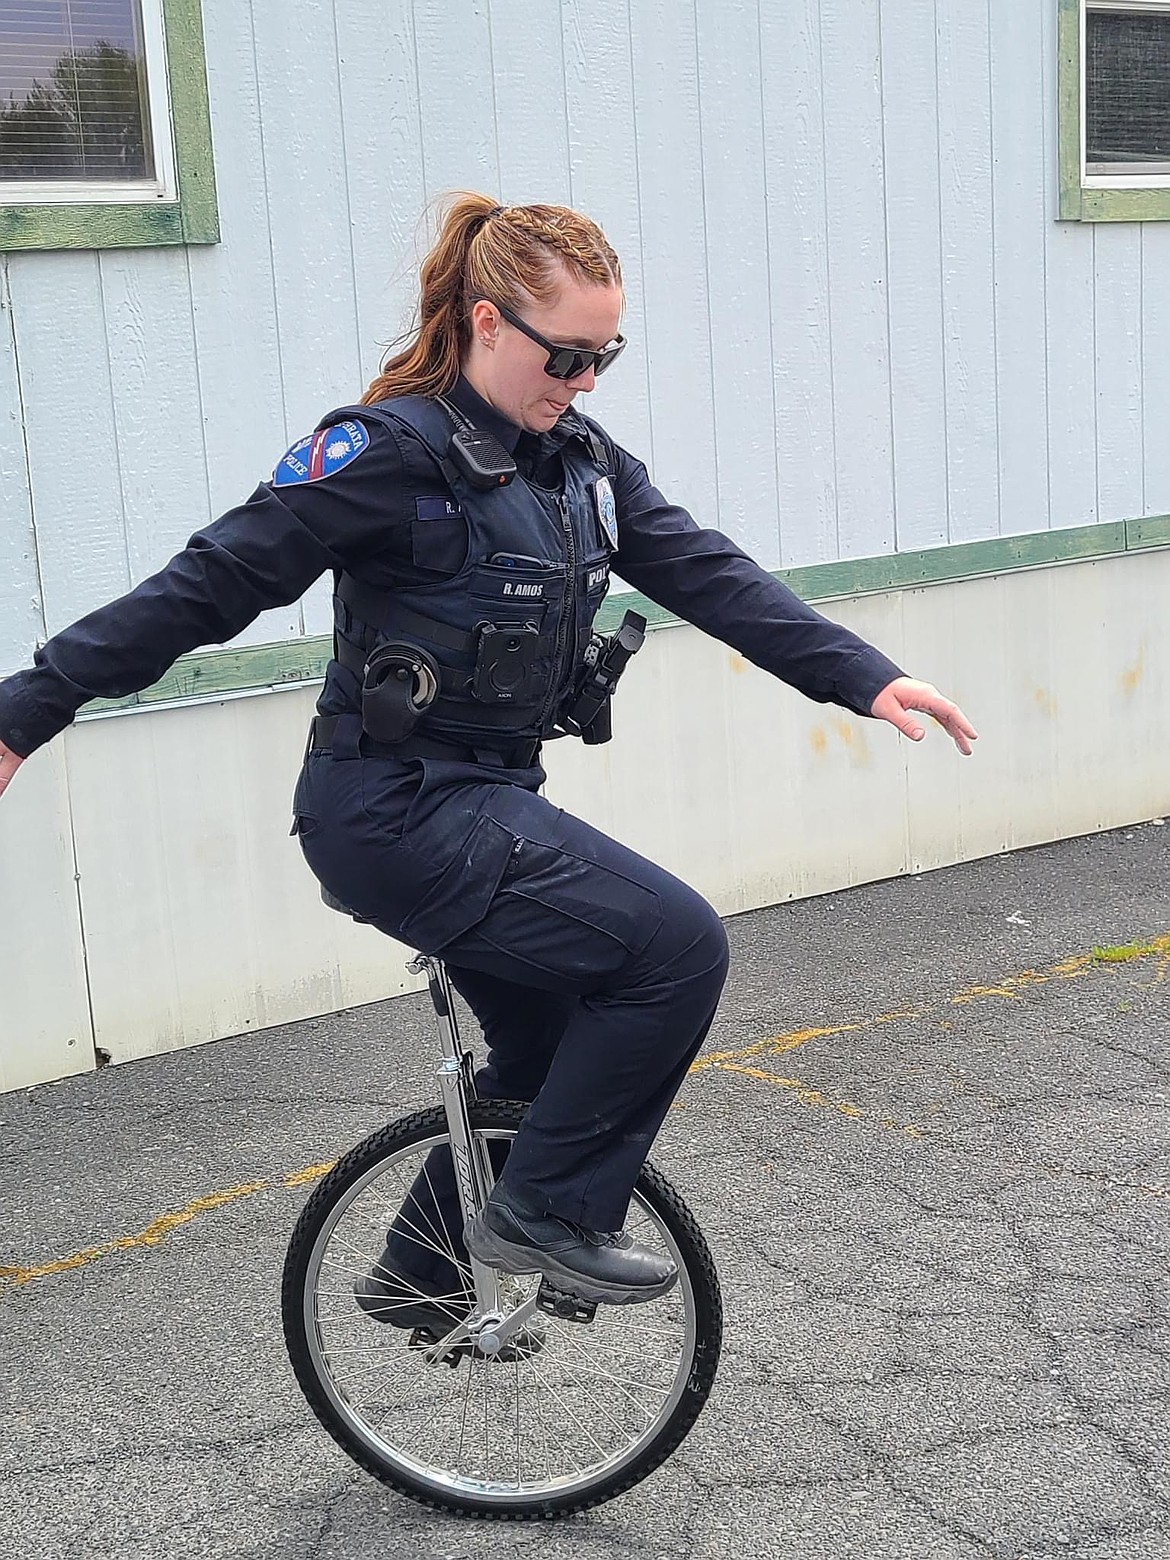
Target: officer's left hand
column 897, row 699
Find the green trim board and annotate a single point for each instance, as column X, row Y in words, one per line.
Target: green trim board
column 208, row 674
column 193, row 218
column 1078, row 201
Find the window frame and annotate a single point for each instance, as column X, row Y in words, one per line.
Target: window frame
column 1086, row 197
column 187, row 213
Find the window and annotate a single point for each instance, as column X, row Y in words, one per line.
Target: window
column 1115, row 109
column 104, row 131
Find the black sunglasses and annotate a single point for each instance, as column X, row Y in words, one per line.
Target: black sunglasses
column 567, row 362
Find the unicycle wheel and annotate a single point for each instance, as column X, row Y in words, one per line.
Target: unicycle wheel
column 586, row 1402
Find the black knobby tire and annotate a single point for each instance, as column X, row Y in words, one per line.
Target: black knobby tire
column 657, row 1201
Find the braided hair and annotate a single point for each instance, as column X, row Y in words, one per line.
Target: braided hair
column 507, row 254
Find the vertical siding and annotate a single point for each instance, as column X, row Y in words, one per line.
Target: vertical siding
column 1156, row 366
column 75, row 476
column 965, row 188
column 602, row 137
column 155, row 401
column 232, row 288
column 1020, row 175
column 798, row 266
column 21, row 620
column 855, row 323
column 914, row 244
column 1117, row 286
column 381, row 130
column 674, row 252
column 531, row 127
column 1069, row 333
column 456, row 95
column 383, row 168
column 308, row 213
column 854, row 183
column 736, row 239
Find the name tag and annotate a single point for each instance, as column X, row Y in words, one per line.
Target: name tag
column 437, row 509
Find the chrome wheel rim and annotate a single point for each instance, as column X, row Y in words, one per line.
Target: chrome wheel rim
column 555, row 1423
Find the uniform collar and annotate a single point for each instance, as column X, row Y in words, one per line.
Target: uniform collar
column 484, row 416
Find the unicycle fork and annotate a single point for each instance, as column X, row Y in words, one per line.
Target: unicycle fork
column 494, row 1320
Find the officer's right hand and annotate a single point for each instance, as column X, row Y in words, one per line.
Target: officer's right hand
column 10, row 762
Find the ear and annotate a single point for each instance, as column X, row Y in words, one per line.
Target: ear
column 485, row 323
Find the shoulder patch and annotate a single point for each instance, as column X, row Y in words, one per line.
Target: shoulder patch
column 321, row 454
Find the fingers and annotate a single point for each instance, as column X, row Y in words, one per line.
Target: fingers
column 10, row 762
column 956, row 725
column 907, row 725
column 896, row 703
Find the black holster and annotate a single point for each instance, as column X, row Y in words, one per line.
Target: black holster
column 590, row 715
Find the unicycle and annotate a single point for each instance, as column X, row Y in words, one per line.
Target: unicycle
column 529, row 1404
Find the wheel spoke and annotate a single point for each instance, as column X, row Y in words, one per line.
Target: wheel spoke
column 582, row 1409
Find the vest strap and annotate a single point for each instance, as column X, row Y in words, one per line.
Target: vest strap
column 385, row 612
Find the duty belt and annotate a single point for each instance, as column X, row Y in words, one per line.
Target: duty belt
column 502, row 755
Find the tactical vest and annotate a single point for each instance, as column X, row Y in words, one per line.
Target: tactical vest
column 507, row 635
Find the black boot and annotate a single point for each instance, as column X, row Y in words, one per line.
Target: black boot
column 598, row 1265
column 388, row 1295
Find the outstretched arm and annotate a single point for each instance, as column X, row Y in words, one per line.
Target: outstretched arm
column 704, row 577
column 264, row 553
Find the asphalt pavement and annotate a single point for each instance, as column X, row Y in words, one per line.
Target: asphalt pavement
column 928, row 1140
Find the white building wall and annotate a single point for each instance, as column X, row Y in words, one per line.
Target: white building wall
column 158, row 900
column 856, row 327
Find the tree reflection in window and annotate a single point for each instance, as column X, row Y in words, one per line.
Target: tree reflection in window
column 73, row 106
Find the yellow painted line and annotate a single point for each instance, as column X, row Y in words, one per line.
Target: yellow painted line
column 156, row 1232
column 810, row 1096
column 803, row 1092
column 774, row 1045
column 152, row 1235
column 1149, row 1188
column 724, row 1061
column 1006, row 989
column 309, row 1173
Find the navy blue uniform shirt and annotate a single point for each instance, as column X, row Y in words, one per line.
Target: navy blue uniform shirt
column 269, row 550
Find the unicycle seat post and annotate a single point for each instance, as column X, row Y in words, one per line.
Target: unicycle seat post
column 439, row 987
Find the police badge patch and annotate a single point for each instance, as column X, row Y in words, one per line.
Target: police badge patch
column 606, row 506
column 320, row 454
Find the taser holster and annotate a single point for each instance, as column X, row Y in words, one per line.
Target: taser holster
column 590, row 715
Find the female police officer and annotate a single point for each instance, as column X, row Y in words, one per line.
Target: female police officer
column 471, row 517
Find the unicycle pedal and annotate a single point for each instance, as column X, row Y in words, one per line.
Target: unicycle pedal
column 569, row 1308
column 425, row 1338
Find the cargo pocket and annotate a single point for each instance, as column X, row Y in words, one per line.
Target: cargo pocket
column 465, row 889
column 587, row 894
column 305, row 821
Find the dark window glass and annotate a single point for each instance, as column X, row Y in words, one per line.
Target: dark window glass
column 1127, row 87
column 73, row 100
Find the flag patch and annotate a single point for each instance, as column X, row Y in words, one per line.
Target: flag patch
column 321, row 454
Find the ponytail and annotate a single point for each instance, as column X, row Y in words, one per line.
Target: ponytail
column 506, row 254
